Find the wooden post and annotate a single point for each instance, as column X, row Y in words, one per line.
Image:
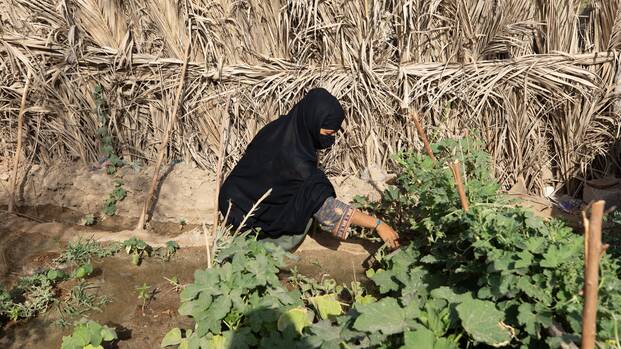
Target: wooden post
column 591, row 275
column 456, row 169
column 164, row 145
column 18, row 149
column 422, row 134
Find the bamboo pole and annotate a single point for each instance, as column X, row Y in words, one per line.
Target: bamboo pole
column 591, row 275
column 164, row 145
column 18, row 150
column 422, row 134
column 456, row 169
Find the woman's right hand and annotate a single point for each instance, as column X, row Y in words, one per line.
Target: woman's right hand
column 388, row 235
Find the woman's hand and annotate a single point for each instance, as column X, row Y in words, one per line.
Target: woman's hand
column 390, row 237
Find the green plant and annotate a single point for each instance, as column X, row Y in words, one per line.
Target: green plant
column 495, row 257
column 82, row 251
column 106, row 148
column 82, row 271
column 611, row 234
column 174, row 282
column 137, row 248
column 118, row 194
column 32, row 294
column 56, row 275
column 145, row 294
column 495, row 276
column 88, row 220
column 81, row 299
column 166, row 252
column 109, row 156
column 89, row 335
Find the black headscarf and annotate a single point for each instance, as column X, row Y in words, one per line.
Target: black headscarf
column 283, row 157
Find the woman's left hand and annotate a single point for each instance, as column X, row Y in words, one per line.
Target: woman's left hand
column 388, row 235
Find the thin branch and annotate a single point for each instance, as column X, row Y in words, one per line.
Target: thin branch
column 164, row 145
column 18, row 150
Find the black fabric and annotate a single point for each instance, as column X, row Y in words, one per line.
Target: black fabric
column 283, row 157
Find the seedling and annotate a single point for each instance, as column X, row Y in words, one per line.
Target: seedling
column 145, row 294
column 168, row 251
column 137, row 248
column 80, row 300
column 55, row 275
column 83, row 271
column 88, row 220
column 89, row 335
column 182, row 223
column 83, row 251
column 118, row 194
column 174, row 282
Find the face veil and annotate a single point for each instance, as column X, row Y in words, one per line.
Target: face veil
column 283, row 157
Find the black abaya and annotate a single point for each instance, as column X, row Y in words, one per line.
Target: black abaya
column 283, row 157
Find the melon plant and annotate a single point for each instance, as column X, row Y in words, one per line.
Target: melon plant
column 495, row 276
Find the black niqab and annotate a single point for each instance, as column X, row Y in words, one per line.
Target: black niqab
column 283, row 157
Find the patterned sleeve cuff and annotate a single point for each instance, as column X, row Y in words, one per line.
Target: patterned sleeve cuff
column 335, row 216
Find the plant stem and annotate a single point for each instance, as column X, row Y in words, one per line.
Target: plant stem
column 164, row 145
column 224, row 127
column 591, row 275
column 18, row 150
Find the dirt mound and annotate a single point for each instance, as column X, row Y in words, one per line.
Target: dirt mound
column 185, row 192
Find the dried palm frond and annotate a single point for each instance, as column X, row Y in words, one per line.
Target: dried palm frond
column 539, row 80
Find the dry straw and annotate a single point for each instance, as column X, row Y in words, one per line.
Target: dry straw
column 536, row 79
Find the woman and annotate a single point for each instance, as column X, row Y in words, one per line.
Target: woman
column 283, row 157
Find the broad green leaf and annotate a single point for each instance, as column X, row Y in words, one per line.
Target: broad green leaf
column 83, row 271
column 536, row 244
column 108, row 334
column 94, row 330
column 483, row 322
column 82, row 335
column 527, row 318
column 324, row 331
column 90, row 346
column 366, row 299
column 298, row 317
column 71, row 343
column 173, row 337
column 326, row 305
column 383, row 279
column 525, row 261
column 384, row 315
column 419, row 339
column 55, row 274
column 450, row 295
column 217, row 342
column 445, row 343
column 219, row 308
column 186, row 308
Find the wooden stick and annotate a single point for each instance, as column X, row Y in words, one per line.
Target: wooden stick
column 205, row 232
column 224, row 127
column 18, row 150
column 422, row 134
column 164, row 145
column 591, row 276
column 456, row 168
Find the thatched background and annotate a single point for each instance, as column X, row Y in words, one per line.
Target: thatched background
column 536, row 78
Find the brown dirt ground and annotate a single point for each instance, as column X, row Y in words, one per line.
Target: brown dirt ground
column 27, row 246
